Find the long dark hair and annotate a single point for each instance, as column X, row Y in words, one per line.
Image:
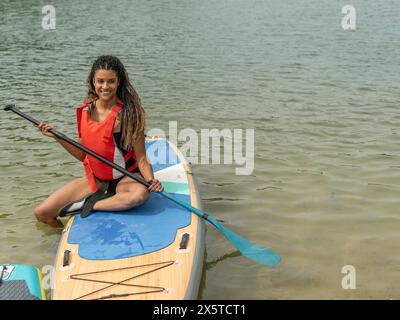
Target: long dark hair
column 133, row 115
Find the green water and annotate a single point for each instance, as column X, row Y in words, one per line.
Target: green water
column 322, row 102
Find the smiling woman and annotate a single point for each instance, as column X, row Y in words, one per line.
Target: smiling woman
column 112, row 110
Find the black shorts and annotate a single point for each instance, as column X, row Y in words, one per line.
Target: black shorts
column 112, row 187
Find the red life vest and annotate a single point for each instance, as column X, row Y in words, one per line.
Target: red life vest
column 99, row 137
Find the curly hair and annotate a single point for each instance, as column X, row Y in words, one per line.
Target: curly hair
column 133, row 114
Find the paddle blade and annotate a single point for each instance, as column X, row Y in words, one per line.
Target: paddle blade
column 247, row 248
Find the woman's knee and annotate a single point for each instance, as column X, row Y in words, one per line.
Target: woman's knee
column 42, row 214
column 139, row 197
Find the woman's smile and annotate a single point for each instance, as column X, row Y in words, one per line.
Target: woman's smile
column 106, row 83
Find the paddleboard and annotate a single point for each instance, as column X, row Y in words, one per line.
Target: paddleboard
column 154, row 251
column 20, row 282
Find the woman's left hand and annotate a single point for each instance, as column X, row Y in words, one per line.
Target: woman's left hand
column 155, row 185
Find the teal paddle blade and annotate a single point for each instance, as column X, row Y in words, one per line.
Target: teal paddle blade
column 247, row 248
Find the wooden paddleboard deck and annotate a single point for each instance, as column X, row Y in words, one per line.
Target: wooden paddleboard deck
column 154, row 251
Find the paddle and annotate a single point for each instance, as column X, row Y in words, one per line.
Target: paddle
column 247, row 248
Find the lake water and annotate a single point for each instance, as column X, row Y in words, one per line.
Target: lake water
column 322, row 101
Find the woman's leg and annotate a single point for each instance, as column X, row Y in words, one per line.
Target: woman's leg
column 47, row 211
column 129, row 194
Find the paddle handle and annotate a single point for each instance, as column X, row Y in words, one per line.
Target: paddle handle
column 63, row 137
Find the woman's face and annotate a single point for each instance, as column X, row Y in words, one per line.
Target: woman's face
column 106, row 84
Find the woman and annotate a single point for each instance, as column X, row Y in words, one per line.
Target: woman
column 111, row 122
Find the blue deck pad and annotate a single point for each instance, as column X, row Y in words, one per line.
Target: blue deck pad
column 160, row 154
column 144, row 229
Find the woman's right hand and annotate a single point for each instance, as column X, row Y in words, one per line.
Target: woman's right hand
column 44, row 128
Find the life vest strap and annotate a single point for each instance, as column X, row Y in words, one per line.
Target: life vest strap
column 109, row 128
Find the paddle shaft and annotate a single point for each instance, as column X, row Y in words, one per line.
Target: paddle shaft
column 247, row 248
column 137, row 178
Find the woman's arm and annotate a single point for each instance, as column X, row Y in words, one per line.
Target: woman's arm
column 144, row 166
column 75, row 152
